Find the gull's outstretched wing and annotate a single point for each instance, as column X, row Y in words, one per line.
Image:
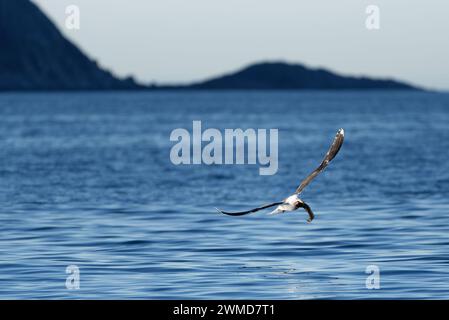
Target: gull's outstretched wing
column 331, row 153
column 241, row 213
column 309, row 211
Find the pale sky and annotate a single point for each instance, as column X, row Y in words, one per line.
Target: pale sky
column 174, row 41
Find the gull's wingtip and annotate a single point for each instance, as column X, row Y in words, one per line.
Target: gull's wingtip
column 341, row 131
column 218, row 210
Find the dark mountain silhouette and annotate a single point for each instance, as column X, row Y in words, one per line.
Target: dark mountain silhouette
column 34, row 55
column 280, row 75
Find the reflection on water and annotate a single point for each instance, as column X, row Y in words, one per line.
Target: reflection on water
column 86, row 179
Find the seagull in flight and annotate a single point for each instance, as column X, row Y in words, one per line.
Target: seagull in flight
column 293, row 202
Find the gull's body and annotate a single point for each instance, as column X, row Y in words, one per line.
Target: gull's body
column 293, row 202
column 289, row 204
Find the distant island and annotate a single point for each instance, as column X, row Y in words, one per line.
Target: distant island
column 35, row 56
column 286, row 76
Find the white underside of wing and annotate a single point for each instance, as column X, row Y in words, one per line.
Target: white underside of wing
column 288, row 205
column 283, row 208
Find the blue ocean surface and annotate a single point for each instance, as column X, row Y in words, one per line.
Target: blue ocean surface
column 86, row 180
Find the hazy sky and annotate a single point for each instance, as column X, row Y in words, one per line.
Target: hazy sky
column 183, row 40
